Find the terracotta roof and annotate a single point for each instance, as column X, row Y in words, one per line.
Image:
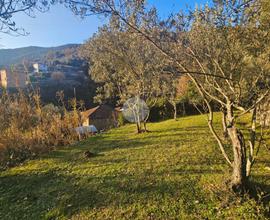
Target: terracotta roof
column 89, row 112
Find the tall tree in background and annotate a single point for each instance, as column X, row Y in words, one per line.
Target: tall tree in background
column 125, row 64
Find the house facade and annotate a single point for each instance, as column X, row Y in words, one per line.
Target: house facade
column 39, row 67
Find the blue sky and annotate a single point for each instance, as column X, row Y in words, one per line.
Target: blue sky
column 59, row 26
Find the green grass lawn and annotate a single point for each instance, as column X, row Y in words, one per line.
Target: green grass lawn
column 174, row 172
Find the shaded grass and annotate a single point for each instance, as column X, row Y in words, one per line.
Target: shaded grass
column 174, row 172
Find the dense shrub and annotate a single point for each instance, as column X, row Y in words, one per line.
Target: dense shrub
column 28, row 128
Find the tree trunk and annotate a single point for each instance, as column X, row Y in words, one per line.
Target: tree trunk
column 175, row 111
column 138, row 122
column 138, row 127
column 224, row 124
column 250, row 159
column 145, row 121
column 144, row 126
column 239, row 163
column 184, row 109
column 239, row 177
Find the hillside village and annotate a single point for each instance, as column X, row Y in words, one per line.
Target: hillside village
column 58, row 64
column 54, row 70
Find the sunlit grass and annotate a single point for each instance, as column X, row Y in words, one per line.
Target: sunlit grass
column 174, row 172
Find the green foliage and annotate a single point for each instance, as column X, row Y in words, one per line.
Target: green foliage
column 125, row 64
column 191, row 95
column 121, row 119
column 164, row 174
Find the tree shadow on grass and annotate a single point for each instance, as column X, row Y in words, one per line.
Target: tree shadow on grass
column 105, row 143
column 259, row 190
column 199, row 171
column 50, row 195
column 44, row 195
column 182, row 129
column 175, row 134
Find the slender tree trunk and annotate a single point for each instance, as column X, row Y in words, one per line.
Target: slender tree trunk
column 211, row 127
column 138, row 121
column 239, row 177
column 174, row 110
column 138, row 127
column 144, row 126
column 224, row 124
column 184, row 109
column 145, row 121
column 252, row 142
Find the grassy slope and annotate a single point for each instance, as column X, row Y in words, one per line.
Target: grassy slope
column 174, row 172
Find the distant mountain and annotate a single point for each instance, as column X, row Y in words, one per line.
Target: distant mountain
column 65, row 71
column 17, row 56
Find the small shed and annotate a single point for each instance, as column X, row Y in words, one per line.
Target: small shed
column 102, row 117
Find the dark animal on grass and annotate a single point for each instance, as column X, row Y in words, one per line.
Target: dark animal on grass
column 88, row 154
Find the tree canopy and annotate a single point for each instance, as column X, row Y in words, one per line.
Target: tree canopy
column 224, row 50
column 8, row 8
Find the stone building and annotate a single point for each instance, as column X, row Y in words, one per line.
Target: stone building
column 13, row 78
column 3, row 79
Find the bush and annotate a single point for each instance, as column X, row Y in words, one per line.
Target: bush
column 121, row 119
column 28, row 128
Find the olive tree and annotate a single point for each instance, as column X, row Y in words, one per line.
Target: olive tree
column 125, row 65
column 221, row 43
column 223, row 50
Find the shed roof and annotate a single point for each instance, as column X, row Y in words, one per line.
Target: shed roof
column 101, row 110
column 89, row 112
